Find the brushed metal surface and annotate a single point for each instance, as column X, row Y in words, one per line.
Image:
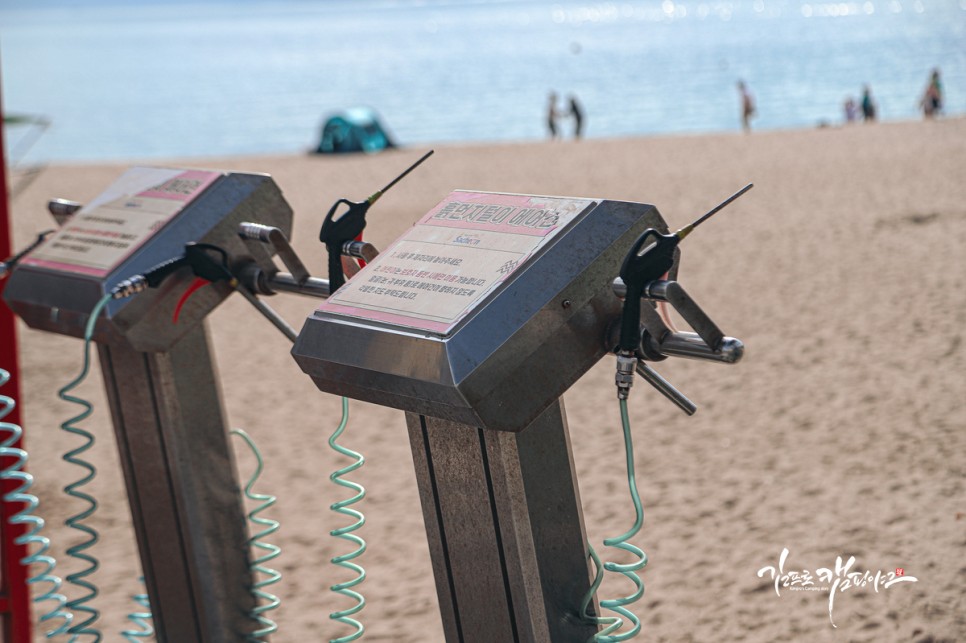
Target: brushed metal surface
column 60, row 301
column 509, row 358
column 505, row 528
column 182, row 488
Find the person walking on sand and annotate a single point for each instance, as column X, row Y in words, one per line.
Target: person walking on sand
column 552, row 115
column 868, row 105
column 577, row 112
column 932, row 99
column 747, row 106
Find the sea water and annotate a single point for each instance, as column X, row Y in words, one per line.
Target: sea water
column 160, row 78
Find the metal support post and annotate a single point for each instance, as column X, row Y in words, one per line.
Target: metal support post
column 505, row 529
column 185, row 501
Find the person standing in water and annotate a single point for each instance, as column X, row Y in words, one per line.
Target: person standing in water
column 552, row 115
column 868, row 105
column 578, row 115
column 747, row 106
column 932, row 99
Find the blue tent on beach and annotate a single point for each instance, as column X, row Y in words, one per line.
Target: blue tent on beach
column 357, row 129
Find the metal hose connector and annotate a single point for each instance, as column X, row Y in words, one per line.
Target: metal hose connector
column 255, row 231
column 128, row 287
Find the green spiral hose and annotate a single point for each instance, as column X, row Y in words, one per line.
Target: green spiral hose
column 39, row 560
column 265, row 601
column 342, row 507
column 612, row 624
column 143, row 619
column 77, row 521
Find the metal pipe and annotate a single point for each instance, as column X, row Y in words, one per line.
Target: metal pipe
column 62, row 209
column 269, row 314
column 691, row 346
column 665, row 388
column 360, row 249
column 311, row 287
column 657, row 289
column 277, row 239
column 9, row 263
column 620, row 288
column 673, row 293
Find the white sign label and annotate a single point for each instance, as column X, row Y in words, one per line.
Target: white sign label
column 455, row 256
column 107, row 230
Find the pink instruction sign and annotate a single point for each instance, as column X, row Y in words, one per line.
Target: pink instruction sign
column 110, row 228
column 443, row 267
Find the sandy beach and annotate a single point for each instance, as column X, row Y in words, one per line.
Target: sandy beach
column 840, row 434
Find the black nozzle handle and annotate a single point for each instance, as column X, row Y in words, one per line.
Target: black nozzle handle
column 336, row 274
column 160, row 272
column 643, row 264
column 336, row 232
column 196, row 256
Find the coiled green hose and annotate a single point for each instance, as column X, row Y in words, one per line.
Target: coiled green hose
column 77, row 521
column 27, row 515
column 612, row 624
column 342, row 507
column 265, row 601
column 143, row 620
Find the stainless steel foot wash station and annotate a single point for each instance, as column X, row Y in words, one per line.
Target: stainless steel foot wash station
column 474, row 323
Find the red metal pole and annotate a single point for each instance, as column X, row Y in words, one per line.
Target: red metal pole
column 14, row 591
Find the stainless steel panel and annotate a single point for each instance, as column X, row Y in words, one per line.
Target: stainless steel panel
column 60, row 301
column 179, row 470
column 507, row 360
column 505, row 529
column 183, row 491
